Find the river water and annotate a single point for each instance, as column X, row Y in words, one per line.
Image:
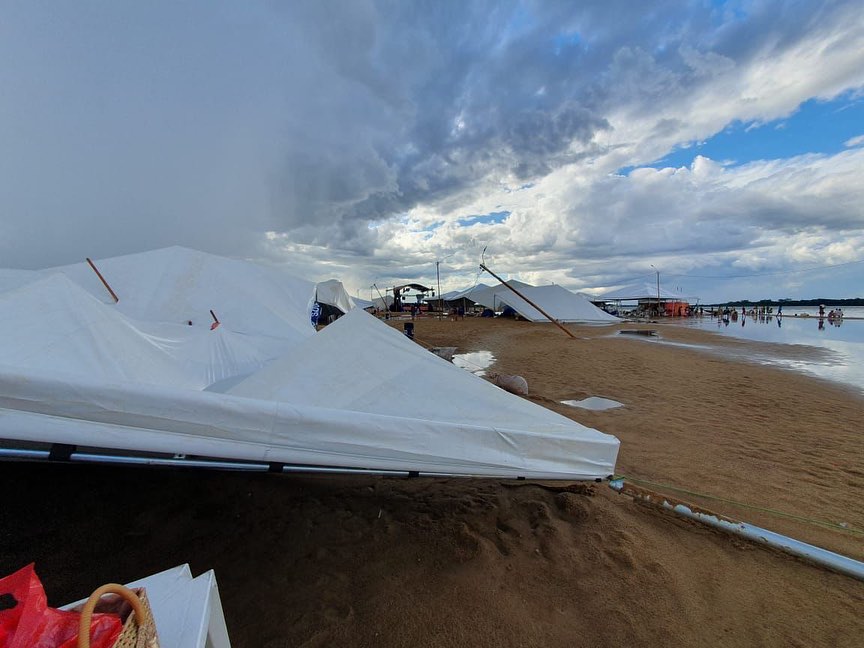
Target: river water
column 841, row 340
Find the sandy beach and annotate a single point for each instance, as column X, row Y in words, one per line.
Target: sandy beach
column 366, row 561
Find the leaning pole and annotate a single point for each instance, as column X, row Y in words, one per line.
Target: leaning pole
column 545, row 314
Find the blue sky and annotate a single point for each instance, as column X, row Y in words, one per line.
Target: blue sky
column 815, row 127
column 576, row 143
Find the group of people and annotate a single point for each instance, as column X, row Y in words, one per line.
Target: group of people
column 765, row 313
column 761, row 313
column 835, row 313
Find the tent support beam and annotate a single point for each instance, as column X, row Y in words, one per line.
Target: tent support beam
column 545, row 314
column 102, row 279
column 180, row 461
column 817, row 555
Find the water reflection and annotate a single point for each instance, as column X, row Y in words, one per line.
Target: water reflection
column 841, row 340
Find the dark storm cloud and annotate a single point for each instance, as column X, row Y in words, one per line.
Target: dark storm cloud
column 433, row 97
column 125, row 127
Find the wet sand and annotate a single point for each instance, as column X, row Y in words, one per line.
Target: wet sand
column 363, row 561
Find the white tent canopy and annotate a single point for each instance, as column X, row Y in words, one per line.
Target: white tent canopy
column 456, row 295
column 77, row 369
column 388, row 374
column 636, row 292
column 560, row 303
column 362, row 303
column 178, row 285
column 383, row 303
column 52, row 324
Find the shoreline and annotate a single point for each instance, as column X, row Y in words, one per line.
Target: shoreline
column 780, row 355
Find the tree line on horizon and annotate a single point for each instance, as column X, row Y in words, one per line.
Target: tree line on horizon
column 851, row 301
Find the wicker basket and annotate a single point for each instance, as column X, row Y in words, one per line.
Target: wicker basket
column 139, row 629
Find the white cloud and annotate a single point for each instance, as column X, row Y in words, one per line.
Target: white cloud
column 358, row 135
column 854, row 141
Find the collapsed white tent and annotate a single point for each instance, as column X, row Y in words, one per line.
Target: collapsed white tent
column 468, row 293
column 560, row 303
column 51, row 324
column 77, row 371
column 362, row 303
column 178, row 285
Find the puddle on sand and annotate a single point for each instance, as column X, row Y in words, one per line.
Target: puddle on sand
column 477, row 362
column 594, row 403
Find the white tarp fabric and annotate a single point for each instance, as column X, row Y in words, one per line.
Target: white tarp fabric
column 332, row 292
column 560, row 303
column 383, row 303
column 76, row 368
column 52, row 324
column 177, row 285
column 456, row 295
column 362, row 303
column 468, row 293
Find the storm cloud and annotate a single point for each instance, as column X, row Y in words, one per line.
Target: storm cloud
column 364, row 134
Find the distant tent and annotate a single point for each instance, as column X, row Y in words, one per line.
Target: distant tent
column 383, row 303
column 458, row 298
column 468, row 293
column 362, row 304
column 482, row 426
column 560, row 303
column 638, row 292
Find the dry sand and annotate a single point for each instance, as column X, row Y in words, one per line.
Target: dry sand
column 362, row 561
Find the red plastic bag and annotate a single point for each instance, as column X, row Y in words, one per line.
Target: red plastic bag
column 26, row 621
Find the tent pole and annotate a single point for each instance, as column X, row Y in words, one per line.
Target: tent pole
column 440, row 300
column 545, row 314
column 383, row 301
column 818, row 555
column 102, row 279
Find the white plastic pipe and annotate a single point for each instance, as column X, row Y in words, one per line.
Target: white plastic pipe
column 823, row 557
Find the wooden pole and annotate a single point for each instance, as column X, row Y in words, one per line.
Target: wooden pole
column 102, row 279
column 545, row 314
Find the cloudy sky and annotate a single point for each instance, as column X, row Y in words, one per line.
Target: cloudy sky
column 588, row 144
